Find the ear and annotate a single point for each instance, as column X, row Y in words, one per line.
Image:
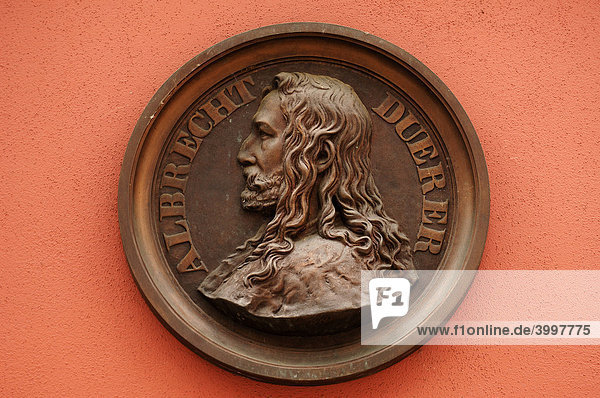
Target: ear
column 326, row 156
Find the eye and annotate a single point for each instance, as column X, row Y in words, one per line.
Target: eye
column 263, row 134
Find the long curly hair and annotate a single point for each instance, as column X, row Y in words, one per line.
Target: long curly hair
column 327, row 144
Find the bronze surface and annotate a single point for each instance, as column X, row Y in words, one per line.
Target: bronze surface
column 195, row 150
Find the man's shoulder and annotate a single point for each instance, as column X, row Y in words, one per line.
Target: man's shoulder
column 315, row 265
column 322, row 268
column 321, row 253
column 319, row 278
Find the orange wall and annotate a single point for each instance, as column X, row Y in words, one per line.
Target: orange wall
column 75, row 78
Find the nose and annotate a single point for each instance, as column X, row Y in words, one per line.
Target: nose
column 244, row 156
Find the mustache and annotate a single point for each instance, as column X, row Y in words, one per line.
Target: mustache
column 257, row 182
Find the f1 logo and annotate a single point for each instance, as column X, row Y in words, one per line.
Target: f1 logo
column 389, row 297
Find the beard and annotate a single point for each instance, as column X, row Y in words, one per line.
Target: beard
column 262, row 191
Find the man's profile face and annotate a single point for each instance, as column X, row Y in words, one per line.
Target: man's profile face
column 261, row 156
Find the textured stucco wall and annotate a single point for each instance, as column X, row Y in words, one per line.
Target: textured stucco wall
column 76, row 76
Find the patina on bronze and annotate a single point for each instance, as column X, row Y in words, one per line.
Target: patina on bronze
column 273, row 168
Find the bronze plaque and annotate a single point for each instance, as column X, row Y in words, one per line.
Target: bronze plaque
column 273, row 168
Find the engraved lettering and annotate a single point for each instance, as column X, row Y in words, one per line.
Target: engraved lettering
column 403, row 125
column 186, row 145
column 434, row 239
column 392, row 106
column 191, row 261
column 215, row 106
column 171, row 205
column 219, row 107
column 435, row 208
column 179, row 237
column 435, row 177
column 198, row 130
column 170, row 176
column 421, row 149
column 242, row 90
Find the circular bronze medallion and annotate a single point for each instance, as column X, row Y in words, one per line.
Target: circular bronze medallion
column 273, row 168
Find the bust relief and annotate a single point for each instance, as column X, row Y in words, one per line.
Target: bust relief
column 337, row 169
column 306, row 163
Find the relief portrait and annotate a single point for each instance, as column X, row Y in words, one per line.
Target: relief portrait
column 306, row 164
column 271, row 170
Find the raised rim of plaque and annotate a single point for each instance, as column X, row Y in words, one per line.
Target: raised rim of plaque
column 296, row 360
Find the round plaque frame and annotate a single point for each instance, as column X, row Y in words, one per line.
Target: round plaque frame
column 255, row 354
